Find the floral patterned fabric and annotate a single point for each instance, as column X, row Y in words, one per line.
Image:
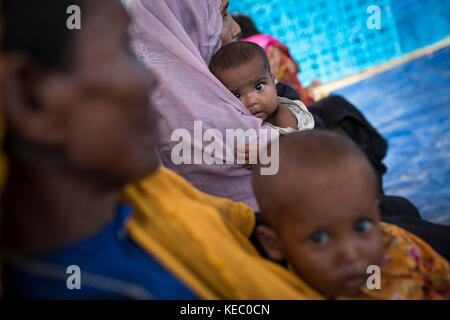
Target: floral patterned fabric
column 411, row 269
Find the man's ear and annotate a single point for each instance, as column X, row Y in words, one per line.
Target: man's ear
column 34, row 100
column 270, row 242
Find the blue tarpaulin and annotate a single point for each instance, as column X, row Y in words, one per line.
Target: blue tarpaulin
column 330, row 39
column 410, row 106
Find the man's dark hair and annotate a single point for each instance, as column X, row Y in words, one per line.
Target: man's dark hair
column 235, row 54
column 38, row 28
column 248, row 28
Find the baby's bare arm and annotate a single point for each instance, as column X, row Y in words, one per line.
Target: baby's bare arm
column 283, row 118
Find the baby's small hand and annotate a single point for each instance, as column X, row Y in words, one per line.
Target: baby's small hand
column 249, row 154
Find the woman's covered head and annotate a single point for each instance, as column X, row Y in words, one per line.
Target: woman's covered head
column 231, row 31
column 76, row 97
column 169, row 28
column 322, row 211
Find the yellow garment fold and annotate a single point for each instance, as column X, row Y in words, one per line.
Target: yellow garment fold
column 202, row 240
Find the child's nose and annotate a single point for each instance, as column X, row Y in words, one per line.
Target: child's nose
column 347, row 252
column 250, row 100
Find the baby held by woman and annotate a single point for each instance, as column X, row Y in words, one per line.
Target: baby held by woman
column 244, row 70
column 321, row 210
column 321, row 216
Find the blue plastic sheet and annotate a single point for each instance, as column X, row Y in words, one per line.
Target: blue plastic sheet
column 331, row 39
column 410, row 106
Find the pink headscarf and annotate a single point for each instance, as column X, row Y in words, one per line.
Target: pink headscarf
column 266, row 40
column 176, row 39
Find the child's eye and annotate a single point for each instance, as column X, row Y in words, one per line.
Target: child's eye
column 363, row 226
column 259, row 87
column 237, row 95
column 319, row 238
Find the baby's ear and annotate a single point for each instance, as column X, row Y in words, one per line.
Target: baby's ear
column 270, row 242
column 273, row 77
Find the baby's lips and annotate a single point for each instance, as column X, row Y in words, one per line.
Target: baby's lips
column 354, row 281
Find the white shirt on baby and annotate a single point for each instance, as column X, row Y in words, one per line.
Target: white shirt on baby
column 304, row 118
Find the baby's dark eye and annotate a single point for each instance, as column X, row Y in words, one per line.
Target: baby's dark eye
column 363, row 226
column 319, row 238
column 237, row 95
column 259, row 87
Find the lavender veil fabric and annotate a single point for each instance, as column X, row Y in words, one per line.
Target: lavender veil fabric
column 176, row 39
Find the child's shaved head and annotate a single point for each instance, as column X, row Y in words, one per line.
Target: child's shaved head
column 322, row 212
column 307, row 160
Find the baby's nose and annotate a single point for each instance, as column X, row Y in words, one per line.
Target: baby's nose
column 250, row 100
column 347, row 251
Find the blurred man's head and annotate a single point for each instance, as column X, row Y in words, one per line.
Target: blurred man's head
column 76, row 97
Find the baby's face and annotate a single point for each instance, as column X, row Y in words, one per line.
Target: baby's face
column 254, row 86
column 331, row 238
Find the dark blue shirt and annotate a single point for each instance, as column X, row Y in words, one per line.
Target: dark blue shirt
column 111, row 266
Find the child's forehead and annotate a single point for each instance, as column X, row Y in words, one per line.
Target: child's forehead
column 327, row 220
column 328, row 197
column 247, row 74
column 257, row 63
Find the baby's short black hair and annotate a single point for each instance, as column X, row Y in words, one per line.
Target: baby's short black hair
column 235, row 54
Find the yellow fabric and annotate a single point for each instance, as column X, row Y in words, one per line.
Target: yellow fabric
column 203, row 241
column 410, row 270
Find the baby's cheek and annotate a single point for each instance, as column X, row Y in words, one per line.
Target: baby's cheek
column 316, row 269
column 274, row 101
column 377, row 249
